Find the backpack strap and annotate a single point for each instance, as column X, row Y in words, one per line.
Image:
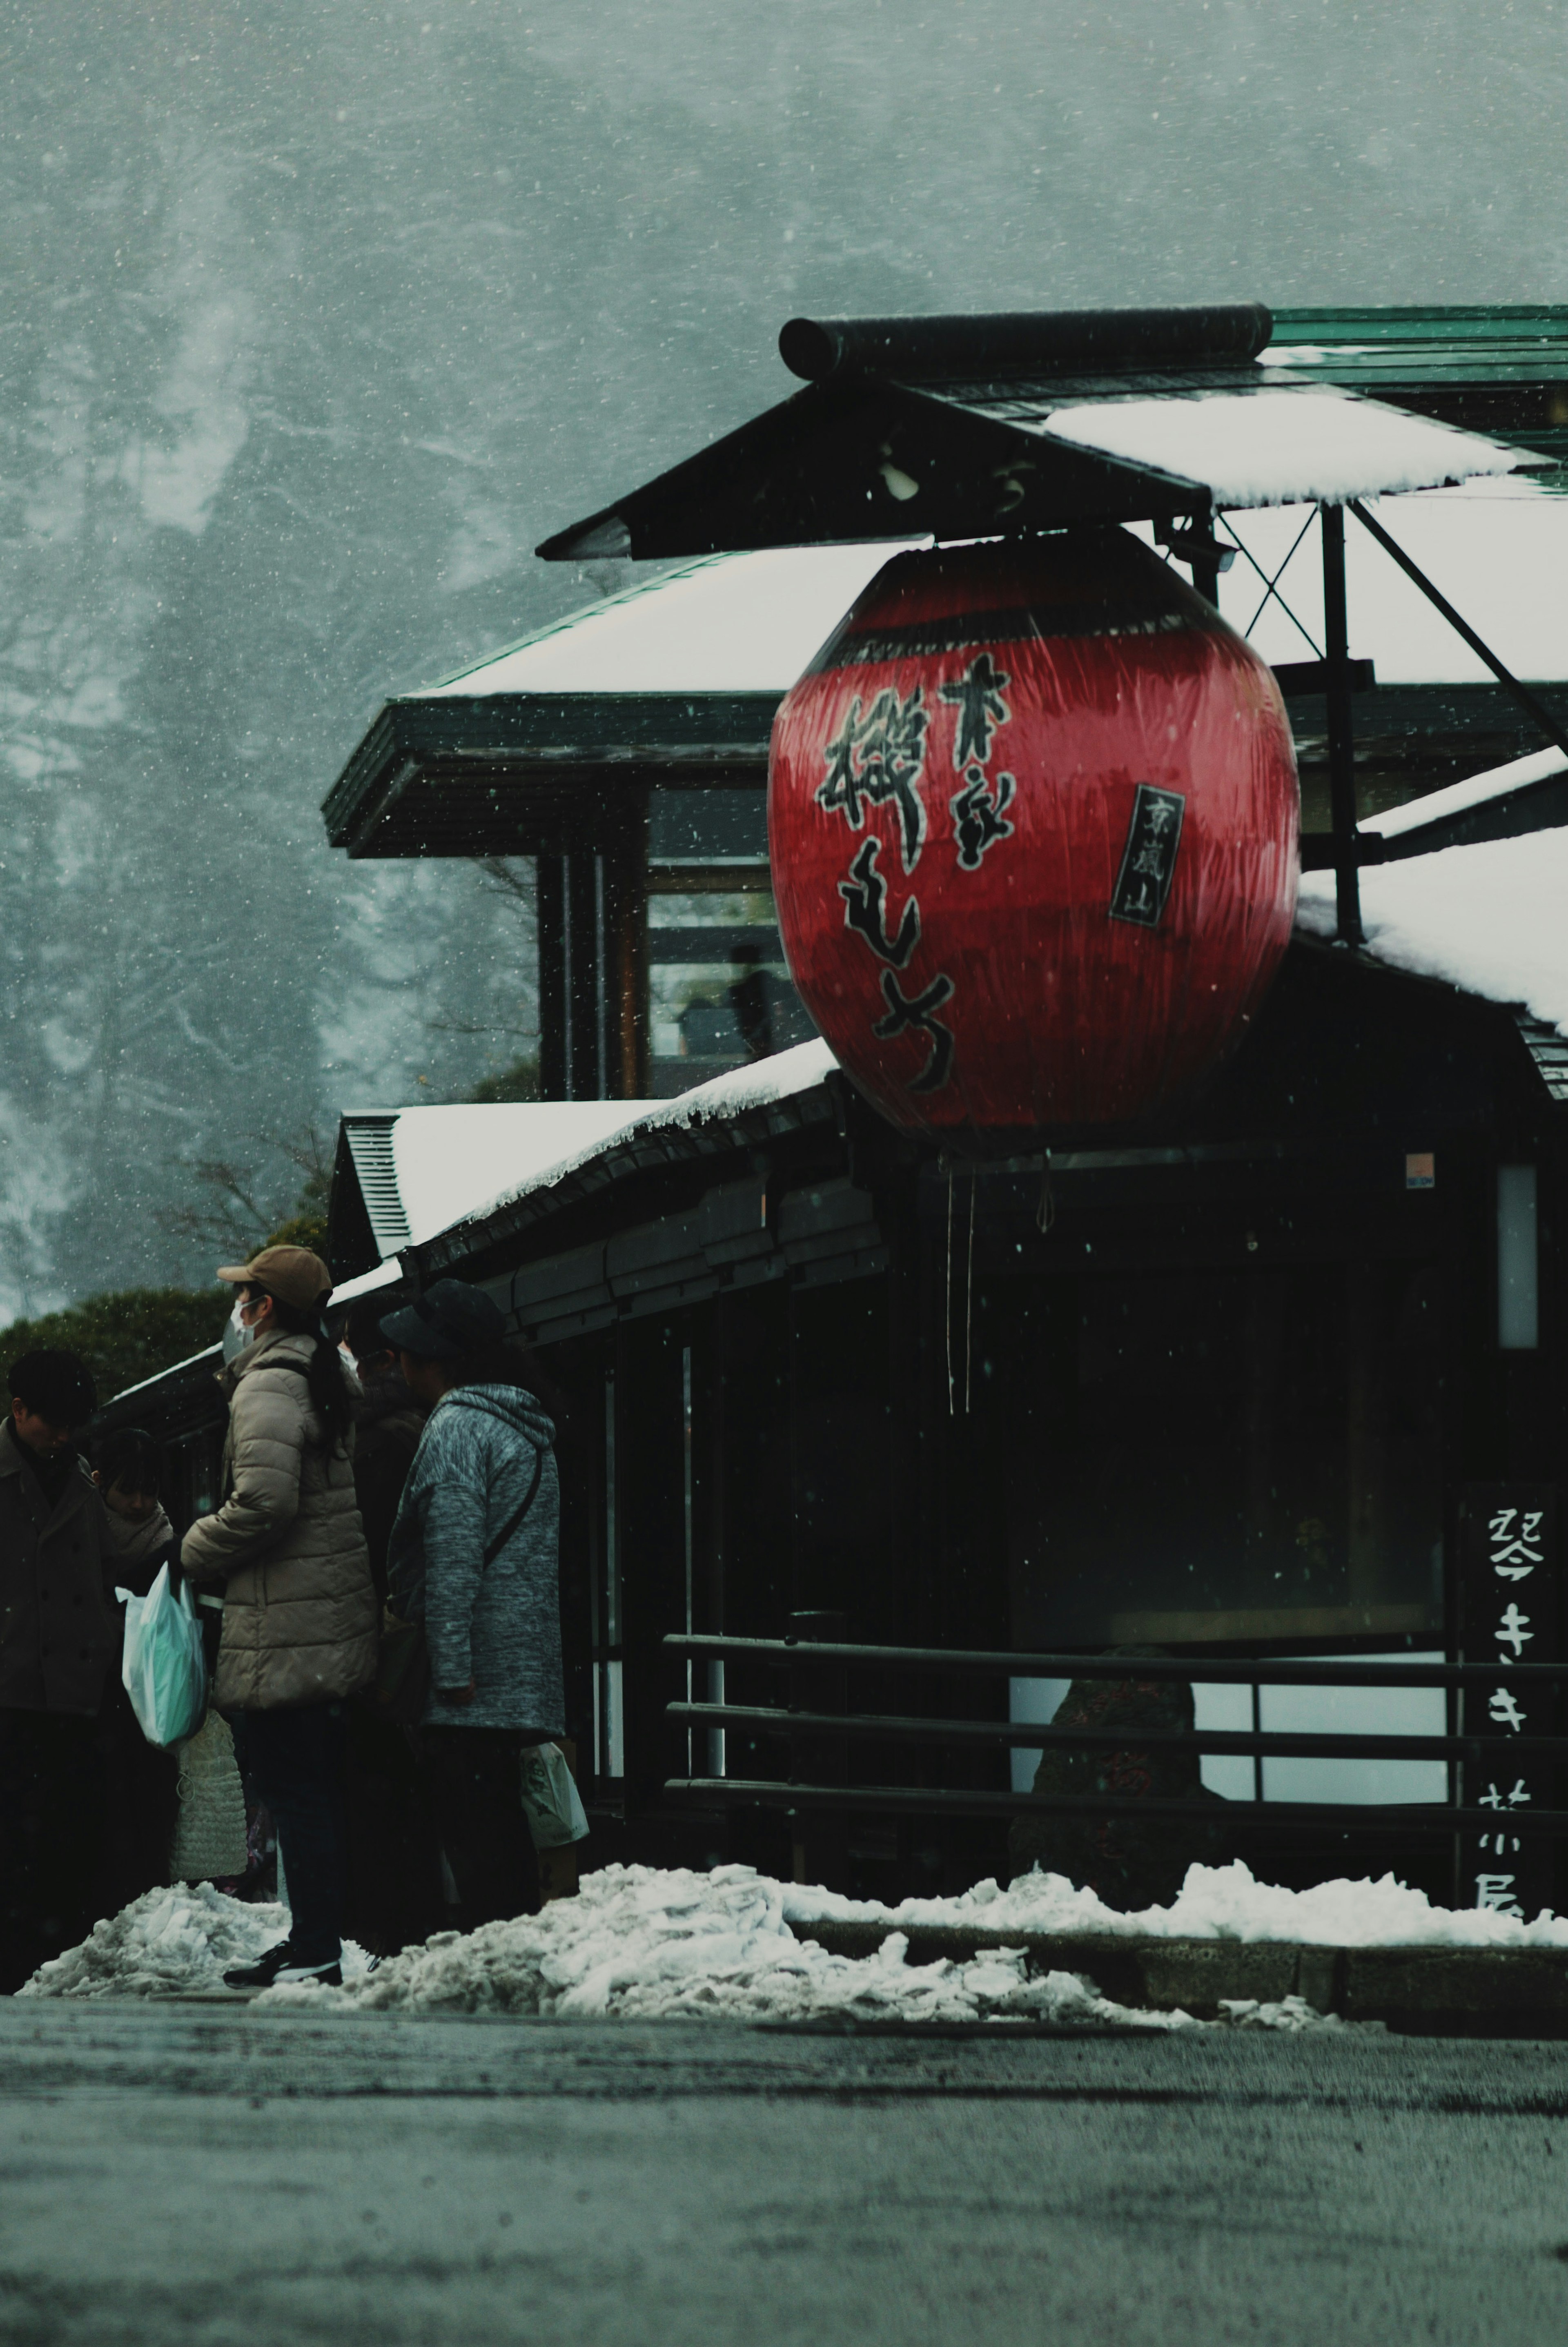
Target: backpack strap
column 514, row 1522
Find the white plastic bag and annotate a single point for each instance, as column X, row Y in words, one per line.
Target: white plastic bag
column 164, row 1668
column 551, row 1802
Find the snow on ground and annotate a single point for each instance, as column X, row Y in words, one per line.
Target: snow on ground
column 177, row 1942
column 1215, row 1902
column 1488, row 918
column 641, row 1943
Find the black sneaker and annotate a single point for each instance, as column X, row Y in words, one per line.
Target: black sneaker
column 330, row 1975
column 263, row 1971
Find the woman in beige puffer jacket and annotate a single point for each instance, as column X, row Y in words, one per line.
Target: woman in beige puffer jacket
column 287, row 1546
column 300, row 1616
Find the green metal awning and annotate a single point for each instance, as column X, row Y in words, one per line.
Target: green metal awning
column 1500, row 369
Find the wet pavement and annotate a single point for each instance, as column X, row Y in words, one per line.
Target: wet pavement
column 188, row 2173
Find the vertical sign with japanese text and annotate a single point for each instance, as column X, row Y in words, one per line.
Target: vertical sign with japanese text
column 1509, row 1614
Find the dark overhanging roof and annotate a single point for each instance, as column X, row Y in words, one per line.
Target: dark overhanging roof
column 533, row 774
column 906, row 411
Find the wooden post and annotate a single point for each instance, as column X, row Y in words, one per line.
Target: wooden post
column 584, row 977
column 550, row 911
column 626, row 951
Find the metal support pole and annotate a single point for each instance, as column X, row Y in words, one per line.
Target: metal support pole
column 626, row 947
column 1341, row 729
column 584, row 1075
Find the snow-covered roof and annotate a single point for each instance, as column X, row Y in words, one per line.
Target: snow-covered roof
column 423, row 1169
column 348, row 1291
column 1487, row 918
column 730, row 1095
column 751, row 622
column 725, row 623
column 1280, row 444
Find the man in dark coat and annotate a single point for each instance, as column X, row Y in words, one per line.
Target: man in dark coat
column 388, row 1424
column 394, row 1893
column 61, row 1553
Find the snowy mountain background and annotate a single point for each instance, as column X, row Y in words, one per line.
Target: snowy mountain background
column 321, row 312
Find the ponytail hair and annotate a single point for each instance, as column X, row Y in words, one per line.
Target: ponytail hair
column 324, row 1376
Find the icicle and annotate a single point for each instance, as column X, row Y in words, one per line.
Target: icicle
column 946, row 1164
column 970, row 1296
column 1045, row 1213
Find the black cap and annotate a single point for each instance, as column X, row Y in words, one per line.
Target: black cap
column 57, row 1386
column 447, row 1321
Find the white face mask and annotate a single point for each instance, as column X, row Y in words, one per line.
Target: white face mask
column 236, row 1335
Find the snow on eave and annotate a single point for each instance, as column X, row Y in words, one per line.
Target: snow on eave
column 192, row 1361
column 389, row 1269
column 1476, row 790
column 449, row 1158
column 1283, row 443
column 1486, row 918
column 722, row 1098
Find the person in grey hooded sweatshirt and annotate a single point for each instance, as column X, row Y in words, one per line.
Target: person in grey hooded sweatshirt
column 475, row 1556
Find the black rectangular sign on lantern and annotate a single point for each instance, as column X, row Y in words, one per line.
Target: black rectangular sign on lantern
column 1509, row 1612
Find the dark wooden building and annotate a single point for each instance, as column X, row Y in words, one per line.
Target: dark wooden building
column 1233, row 1385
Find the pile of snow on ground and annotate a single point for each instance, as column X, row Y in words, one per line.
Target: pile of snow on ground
column 1215, row 1902
column 177, row 1942
column 642, row 1942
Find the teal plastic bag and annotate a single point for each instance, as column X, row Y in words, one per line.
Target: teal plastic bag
column 163, row 1667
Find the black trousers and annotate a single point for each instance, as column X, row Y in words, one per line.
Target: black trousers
column 51, row 1837
column 294, row 1760
column 141, row 1805
column 394, row 1897
column 474, row 1790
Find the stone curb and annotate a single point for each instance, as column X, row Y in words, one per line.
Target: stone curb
column 1427, row 1991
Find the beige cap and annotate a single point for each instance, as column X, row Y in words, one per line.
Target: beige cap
column 292, row 1273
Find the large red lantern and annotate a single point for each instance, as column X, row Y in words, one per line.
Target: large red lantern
column 1032, row 813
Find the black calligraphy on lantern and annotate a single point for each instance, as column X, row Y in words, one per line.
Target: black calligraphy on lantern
column 877, row 758
column 1149, row 858
column 978, row 697
column 865, row 894
column 978, row 817
column 916, row 1014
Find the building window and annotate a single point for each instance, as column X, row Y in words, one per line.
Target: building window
column 1518, row 1289
column 719, row 986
